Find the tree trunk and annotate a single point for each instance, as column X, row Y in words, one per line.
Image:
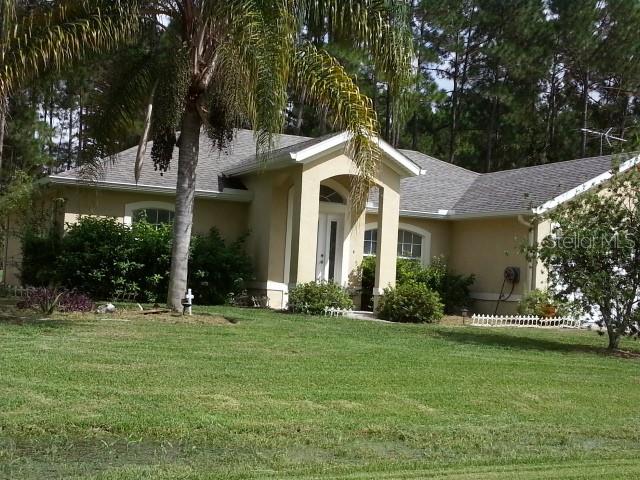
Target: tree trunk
column 3, row 120
column 491, row 133
column 183, row 219
column 387, row 120
column 585, row 112
column 551, row 119
column 299, row 118
column 614, row 339
column 453, row 126
column 5, row 240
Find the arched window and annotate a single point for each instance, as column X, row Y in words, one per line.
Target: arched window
column 328, row 194
column 153, row 212
column 154, row 216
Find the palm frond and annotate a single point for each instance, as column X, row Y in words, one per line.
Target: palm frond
column 7, row 19
column 169, row 105
column 47, row 40
column 273, row 60
column 380, row 28
column 318, row 78
column 144, row 138
column 120, row 98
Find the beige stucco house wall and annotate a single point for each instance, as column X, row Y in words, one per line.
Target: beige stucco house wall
column 478, row 223
column 279, row 208
column 484, row 248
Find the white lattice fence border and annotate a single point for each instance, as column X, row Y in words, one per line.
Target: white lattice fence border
column 529, row 321
column 337, row 312
column 14, row 291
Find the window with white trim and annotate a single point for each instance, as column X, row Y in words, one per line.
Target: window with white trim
column 409, row 243
column 370, row 242
column 153, row 216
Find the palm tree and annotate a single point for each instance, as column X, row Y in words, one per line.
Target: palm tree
column 221, row 64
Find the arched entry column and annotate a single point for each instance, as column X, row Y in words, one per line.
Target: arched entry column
column 386, row 254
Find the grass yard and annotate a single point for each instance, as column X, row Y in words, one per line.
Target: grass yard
column 279, row 396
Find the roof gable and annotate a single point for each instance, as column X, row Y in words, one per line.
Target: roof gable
column 312, row 149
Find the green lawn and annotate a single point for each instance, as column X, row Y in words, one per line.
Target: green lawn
column 278, row 396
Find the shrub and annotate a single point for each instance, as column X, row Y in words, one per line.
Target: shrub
column 151, row 253
column 42, row 251
column 109, row 260
column 542, row 303
column 452, row 288
column 218, row 269
column 411, row 302
column 96, row 258
column 47, row 300
column 313, row 297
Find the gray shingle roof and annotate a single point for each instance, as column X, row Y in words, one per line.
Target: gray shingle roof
column 211, row 163
column 439, row 188
column 443, row 187
column 525, row 188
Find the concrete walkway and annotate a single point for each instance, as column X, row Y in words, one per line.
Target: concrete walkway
column 364, row 315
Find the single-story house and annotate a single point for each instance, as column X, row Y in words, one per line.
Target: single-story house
column 295, row 205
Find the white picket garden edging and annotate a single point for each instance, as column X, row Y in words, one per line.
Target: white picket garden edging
column 530, row 321
column 337, row 312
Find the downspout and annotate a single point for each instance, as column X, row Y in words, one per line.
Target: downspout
column 531, row 264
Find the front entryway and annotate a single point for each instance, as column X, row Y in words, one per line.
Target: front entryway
column 330, row 241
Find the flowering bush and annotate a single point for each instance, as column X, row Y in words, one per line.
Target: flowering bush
column 47, row 300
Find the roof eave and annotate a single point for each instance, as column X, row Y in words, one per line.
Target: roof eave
column 452, row 215
column 230, row 194
column 588, row 185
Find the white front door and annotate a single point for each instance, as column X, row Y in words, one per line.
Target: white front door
column 329, row 252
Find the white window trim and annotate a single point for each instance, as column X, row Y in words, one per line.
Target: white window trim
column 129, row 208
column 426, row 239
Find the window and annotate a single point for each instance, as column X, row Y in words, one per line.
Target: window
column 409, row 243
column 154, row 216
column 371, row 242
column 328, row 194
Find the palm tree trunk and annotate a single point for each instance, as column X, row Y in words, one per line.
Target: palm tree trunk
column 185, row 194
column 3, row 120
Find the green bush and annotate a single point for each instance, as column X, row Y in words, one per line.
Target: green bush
column 151, row 252
column 218, row 269
column 452, row 288
column 42, row 250
column 312, row 298
column 411, row 302
column 96, row 259
column 542, row 303
column 108, row 260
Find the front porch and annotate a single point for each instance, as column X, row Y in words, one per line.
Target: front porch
column 305, row 227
